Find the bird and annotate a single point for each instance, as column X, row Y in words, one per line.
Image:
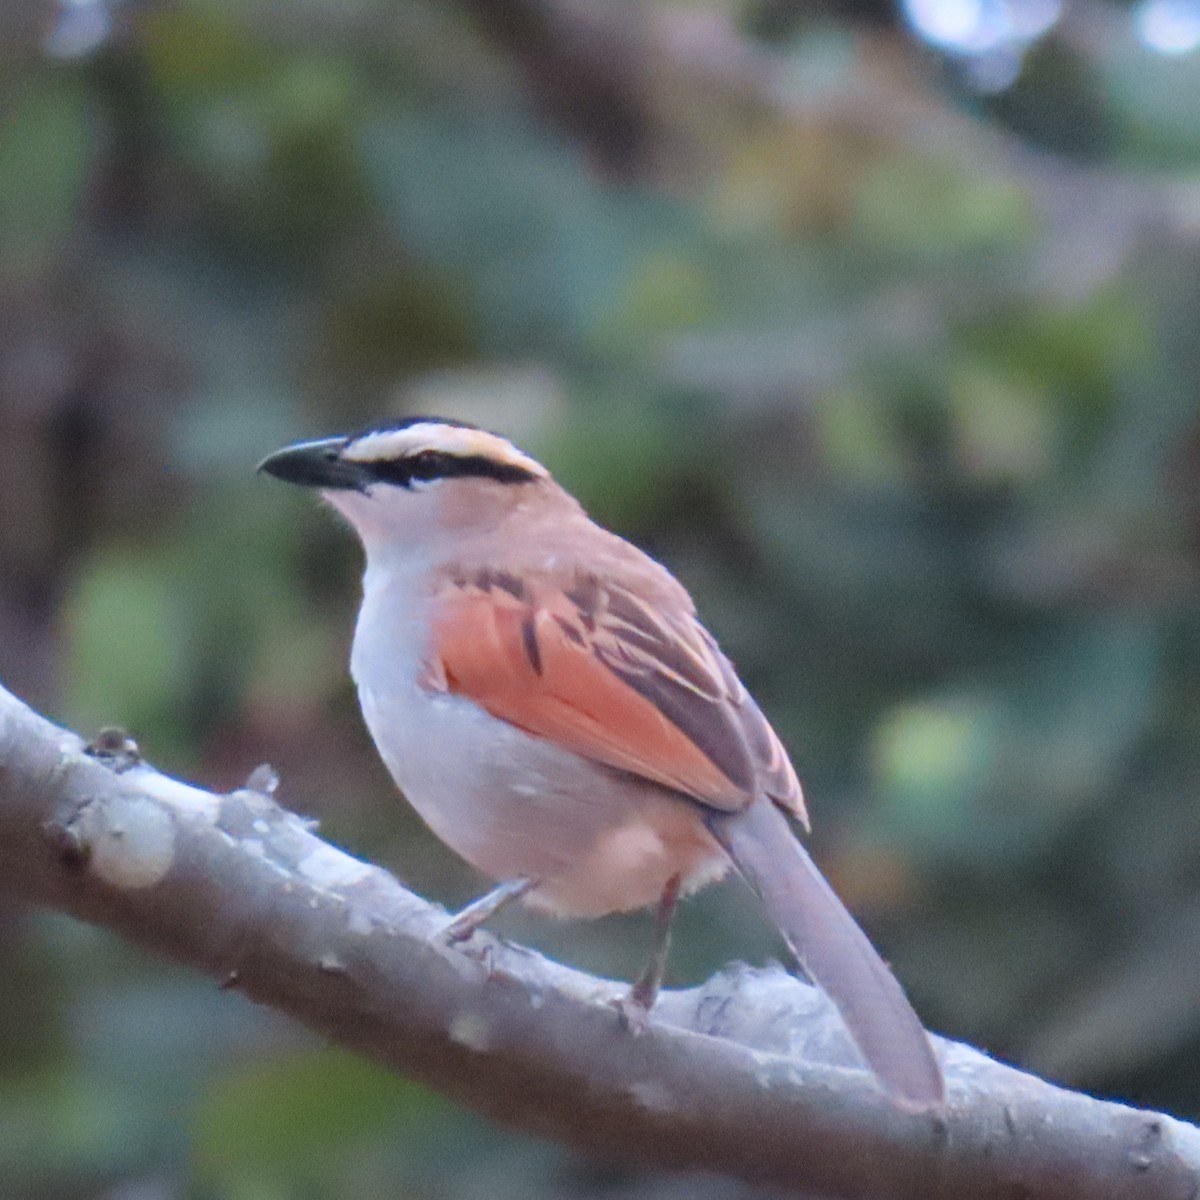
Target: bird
column 544, row 695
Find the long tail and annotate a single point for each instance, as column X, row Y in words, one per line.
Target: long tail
column 833, row 950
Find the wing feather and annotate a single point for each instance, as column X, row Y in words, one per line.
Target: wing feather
column 591, row 666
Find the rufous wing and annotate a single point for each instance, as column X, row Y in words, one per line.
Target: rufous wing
column 593, row 668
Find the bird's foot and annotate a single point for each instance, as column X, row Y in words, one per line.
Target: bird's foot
column 460, row 927
column 483, row 952
column 633, row 1009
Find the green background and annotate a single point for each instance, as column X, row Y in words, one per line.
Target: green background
column 897, row 375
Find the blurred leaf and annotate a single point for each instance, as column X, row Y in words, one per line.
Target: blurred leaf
column 931, row 757
column 392, row 320
column 44, row 149
column 1151, row 96
column 201, row 49
column 1073, row 356
column 55, row 1126
column 126, row 646
column 998, row 775
column 270, row 136
column 856, row 437
column 667, row 291
column 1005, row 426
column 935, row 208
column 277, row 1124
column 1059, row 103
column 646, row 456
column 546, row 248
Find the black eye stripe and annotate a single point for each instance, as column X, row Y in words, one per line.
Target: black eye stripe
column 427, row 465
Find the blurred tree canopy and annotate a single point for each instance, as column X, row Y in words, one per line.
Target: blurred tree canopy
column 877, row 326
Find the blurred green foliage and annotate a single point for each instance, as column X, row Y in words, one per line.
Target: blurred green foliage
column 903, row 391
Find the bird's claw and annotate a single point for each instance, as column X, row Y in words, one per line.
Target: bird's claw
column 632, row 1011
column 457, row 931
column 455, row 936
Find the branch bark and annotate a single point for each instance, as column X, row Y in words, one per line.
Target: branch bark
column 749, row 1074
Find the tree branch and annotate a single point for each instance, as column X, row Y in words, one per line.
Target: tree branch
column 749, row 1074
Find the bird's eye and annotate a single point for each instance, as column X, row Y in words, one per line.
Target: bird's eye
column 427, row 464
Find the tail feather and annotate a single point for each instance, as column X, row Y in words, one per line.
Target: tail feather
column 833, row 950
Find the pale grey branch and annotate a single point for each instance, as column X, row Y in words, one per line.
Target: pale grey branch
column 749, row 1074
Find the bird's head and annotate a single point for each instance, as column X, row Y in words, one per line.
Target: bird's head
column 410, row 480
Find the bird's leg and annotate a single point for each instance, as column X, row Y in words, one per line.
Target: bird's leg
column 464, row 923
column 635, row 1007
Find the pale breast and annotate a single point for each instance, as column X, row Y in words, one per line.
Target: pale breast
column 511, row 804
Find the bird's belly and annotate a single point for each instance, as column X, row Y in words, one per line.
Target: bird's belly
column 513, row 805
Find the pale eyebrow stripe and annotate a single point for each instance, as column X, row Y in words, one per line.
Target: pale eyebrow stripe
column 445, row 439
